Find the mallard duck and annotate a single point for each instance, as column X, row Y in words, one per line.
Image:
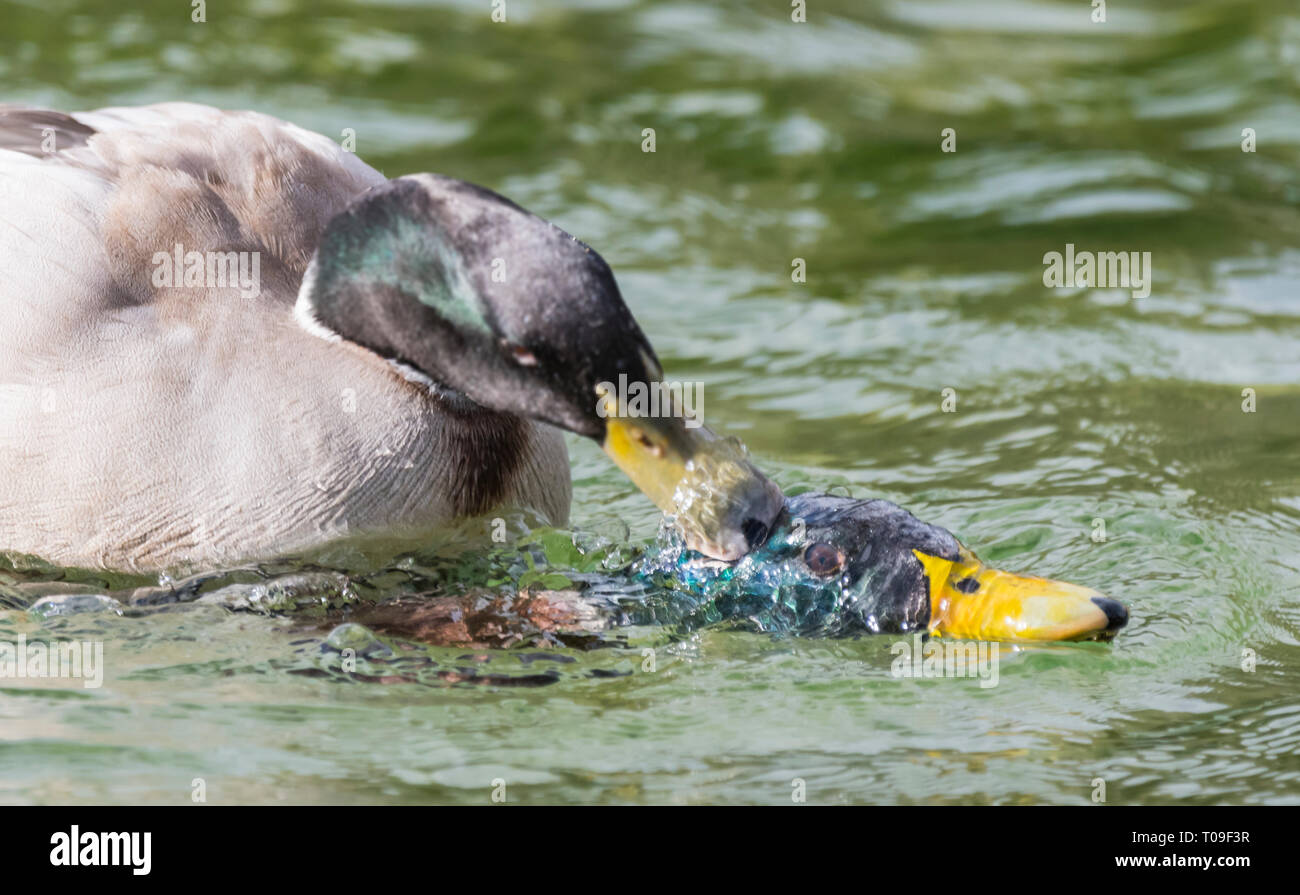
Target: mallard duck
column 832, row 566
column 224, row 338
column 841, row 565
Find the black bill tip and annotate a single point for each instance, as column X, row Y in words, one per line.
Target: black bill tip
column 1116, row 613
column 755, row 533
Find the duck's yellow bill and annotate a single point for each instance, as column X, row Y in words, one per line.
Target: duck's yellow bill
column 721, row 502
column 969, row 600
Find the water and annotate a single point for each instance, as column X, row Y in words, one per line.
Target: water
column 924, row 272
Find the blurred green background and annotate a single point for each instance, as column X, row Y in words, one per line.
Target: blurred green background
column 820, row 141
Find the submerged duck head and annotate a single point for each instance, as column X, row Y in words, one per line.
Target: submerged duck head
column 837, row 565
column 493, row 307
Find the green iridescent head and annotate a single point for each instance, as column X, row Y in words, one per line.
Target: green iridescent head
column 496, row 309
column 837, row 565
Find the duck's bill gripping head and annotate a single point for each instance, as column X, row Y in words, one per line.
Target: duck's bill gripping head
column 719, row 500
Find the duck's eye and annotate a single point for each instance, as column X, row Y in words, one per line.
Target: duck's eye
column 823, row 559
column 521, row 355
